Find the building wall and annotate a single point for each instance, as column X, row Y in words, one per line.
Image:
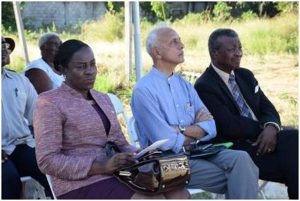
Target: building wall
column 38, row 14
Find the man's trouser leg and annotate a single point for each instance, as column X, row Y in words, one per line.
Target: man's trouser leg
column 11, row 183
column 25, row 161
column 230, row 172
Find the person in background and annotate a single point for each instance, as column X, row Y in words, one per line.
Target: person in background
column 166, row 106
column 41, row 72
column 244, row 115
column 73, row 125
column 17, row 148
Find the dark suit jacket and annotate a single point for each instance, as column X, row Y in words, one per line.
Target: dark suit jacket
column 218, row 99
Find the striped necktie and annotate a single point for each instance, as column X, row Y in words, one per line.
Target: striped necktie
column 244, row 110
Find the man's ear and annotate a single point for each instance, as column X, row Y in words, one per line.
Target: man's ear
column 156, row 53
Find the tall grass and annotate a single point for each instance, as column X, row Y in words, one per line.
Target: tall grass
column 258, row 36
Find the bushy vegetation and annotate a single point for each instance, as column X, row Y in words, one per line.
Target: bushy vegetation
column 109, row 28
column 258, row 35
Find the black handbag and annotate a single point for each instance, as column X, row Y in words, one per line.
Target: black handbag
column 156, row 174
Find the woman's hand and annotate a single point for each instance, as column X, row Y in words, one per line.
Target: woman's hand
column 118, row 161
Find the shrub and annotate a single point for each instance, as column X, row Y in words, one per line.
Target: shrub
column 109, row 28
column 221, row 12
column 102, row 84
column 248, row 15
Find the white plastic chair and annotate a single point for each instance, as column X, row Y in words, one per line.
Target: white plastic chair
column 31, row 189
column 51, row 187
column 119, row 109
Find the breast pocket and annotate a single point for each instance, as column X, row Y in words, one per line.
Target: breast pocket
column 189, row 111
column 21, row 100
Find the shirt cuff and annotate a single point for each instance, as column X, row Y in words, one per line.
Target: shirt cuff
column 178, row 143
column 209, row 129
column 274, row 124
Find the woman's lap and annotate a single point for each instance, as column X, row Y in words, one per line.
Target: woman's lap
column 105, row 189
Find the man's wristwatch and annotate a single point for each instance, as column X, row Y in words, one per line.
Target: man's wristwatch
column 181, row 128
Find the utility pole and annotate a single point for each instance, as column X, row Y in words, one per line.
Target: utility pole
column 137, row 36
column 20, row 28
column 128, row 48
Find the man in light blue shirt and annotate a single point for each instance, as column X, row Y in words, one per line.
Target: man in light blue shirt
column 166, row 106
column 17, row 147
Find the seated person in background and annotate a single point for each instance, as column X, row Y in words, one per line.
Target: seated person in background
column 244, row 115
column 18, row 153
column 41, row 72
column 73, row 124
column 166, row 106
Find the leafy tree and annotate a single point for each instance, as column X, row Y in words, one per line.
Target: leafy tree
column 160, row 8
column 221, row 12
column 114, row 6
column 287, row 7
column 8, row 17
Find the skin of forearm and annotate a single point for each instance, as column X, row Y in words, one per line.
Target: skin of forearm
column 194, row 132
column 98, row 167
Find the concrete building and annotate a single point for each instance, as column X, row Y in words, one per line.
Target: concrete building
column 38, row 14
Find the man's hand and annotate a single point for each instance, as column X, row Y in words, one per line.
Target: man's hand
column 187, row 140
column 4, row 156
column 203, row 115
column 267, row 140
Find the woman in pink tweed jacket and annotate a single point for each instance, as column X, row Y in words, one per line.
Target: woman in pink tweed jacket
column 72, row 125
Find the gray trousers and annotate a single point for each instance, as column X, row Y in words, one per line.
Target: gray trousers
column 229, row 172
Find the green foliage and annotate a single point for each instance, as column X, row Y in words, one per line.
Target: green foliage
column 248, row 15
column 8, row 18
column 102, row 84
column 195, row 18
column 114, row 6
column 221, row 12
column 271, row 36
column 17, row 63
column 160, row 8
column 287, row 7
column 109, row 28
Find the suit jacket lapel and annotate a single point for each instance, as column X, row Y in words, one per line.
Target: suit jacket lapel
column 223, row 86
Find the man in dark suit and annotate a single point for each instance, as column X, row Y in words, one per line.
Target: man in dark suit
column 244, row 115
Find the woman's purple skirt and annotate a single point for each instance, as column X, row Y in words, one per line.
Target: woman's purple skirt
column 105, row 189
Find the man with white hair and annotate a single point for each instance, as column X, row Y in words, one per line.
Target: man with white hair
column 166, row 106
column 41, row 72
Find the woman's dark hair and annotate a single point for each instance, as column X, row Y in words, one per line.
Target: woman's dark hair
column 213, row 41
column 66, row 51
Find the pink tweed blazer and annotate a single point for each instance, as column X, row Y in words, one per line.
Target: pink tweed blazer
column 70, row 135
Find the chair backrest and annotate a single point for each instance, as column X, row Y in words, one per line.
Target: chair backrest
column 50, row 184
column 119, row 109
column 133, row 137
